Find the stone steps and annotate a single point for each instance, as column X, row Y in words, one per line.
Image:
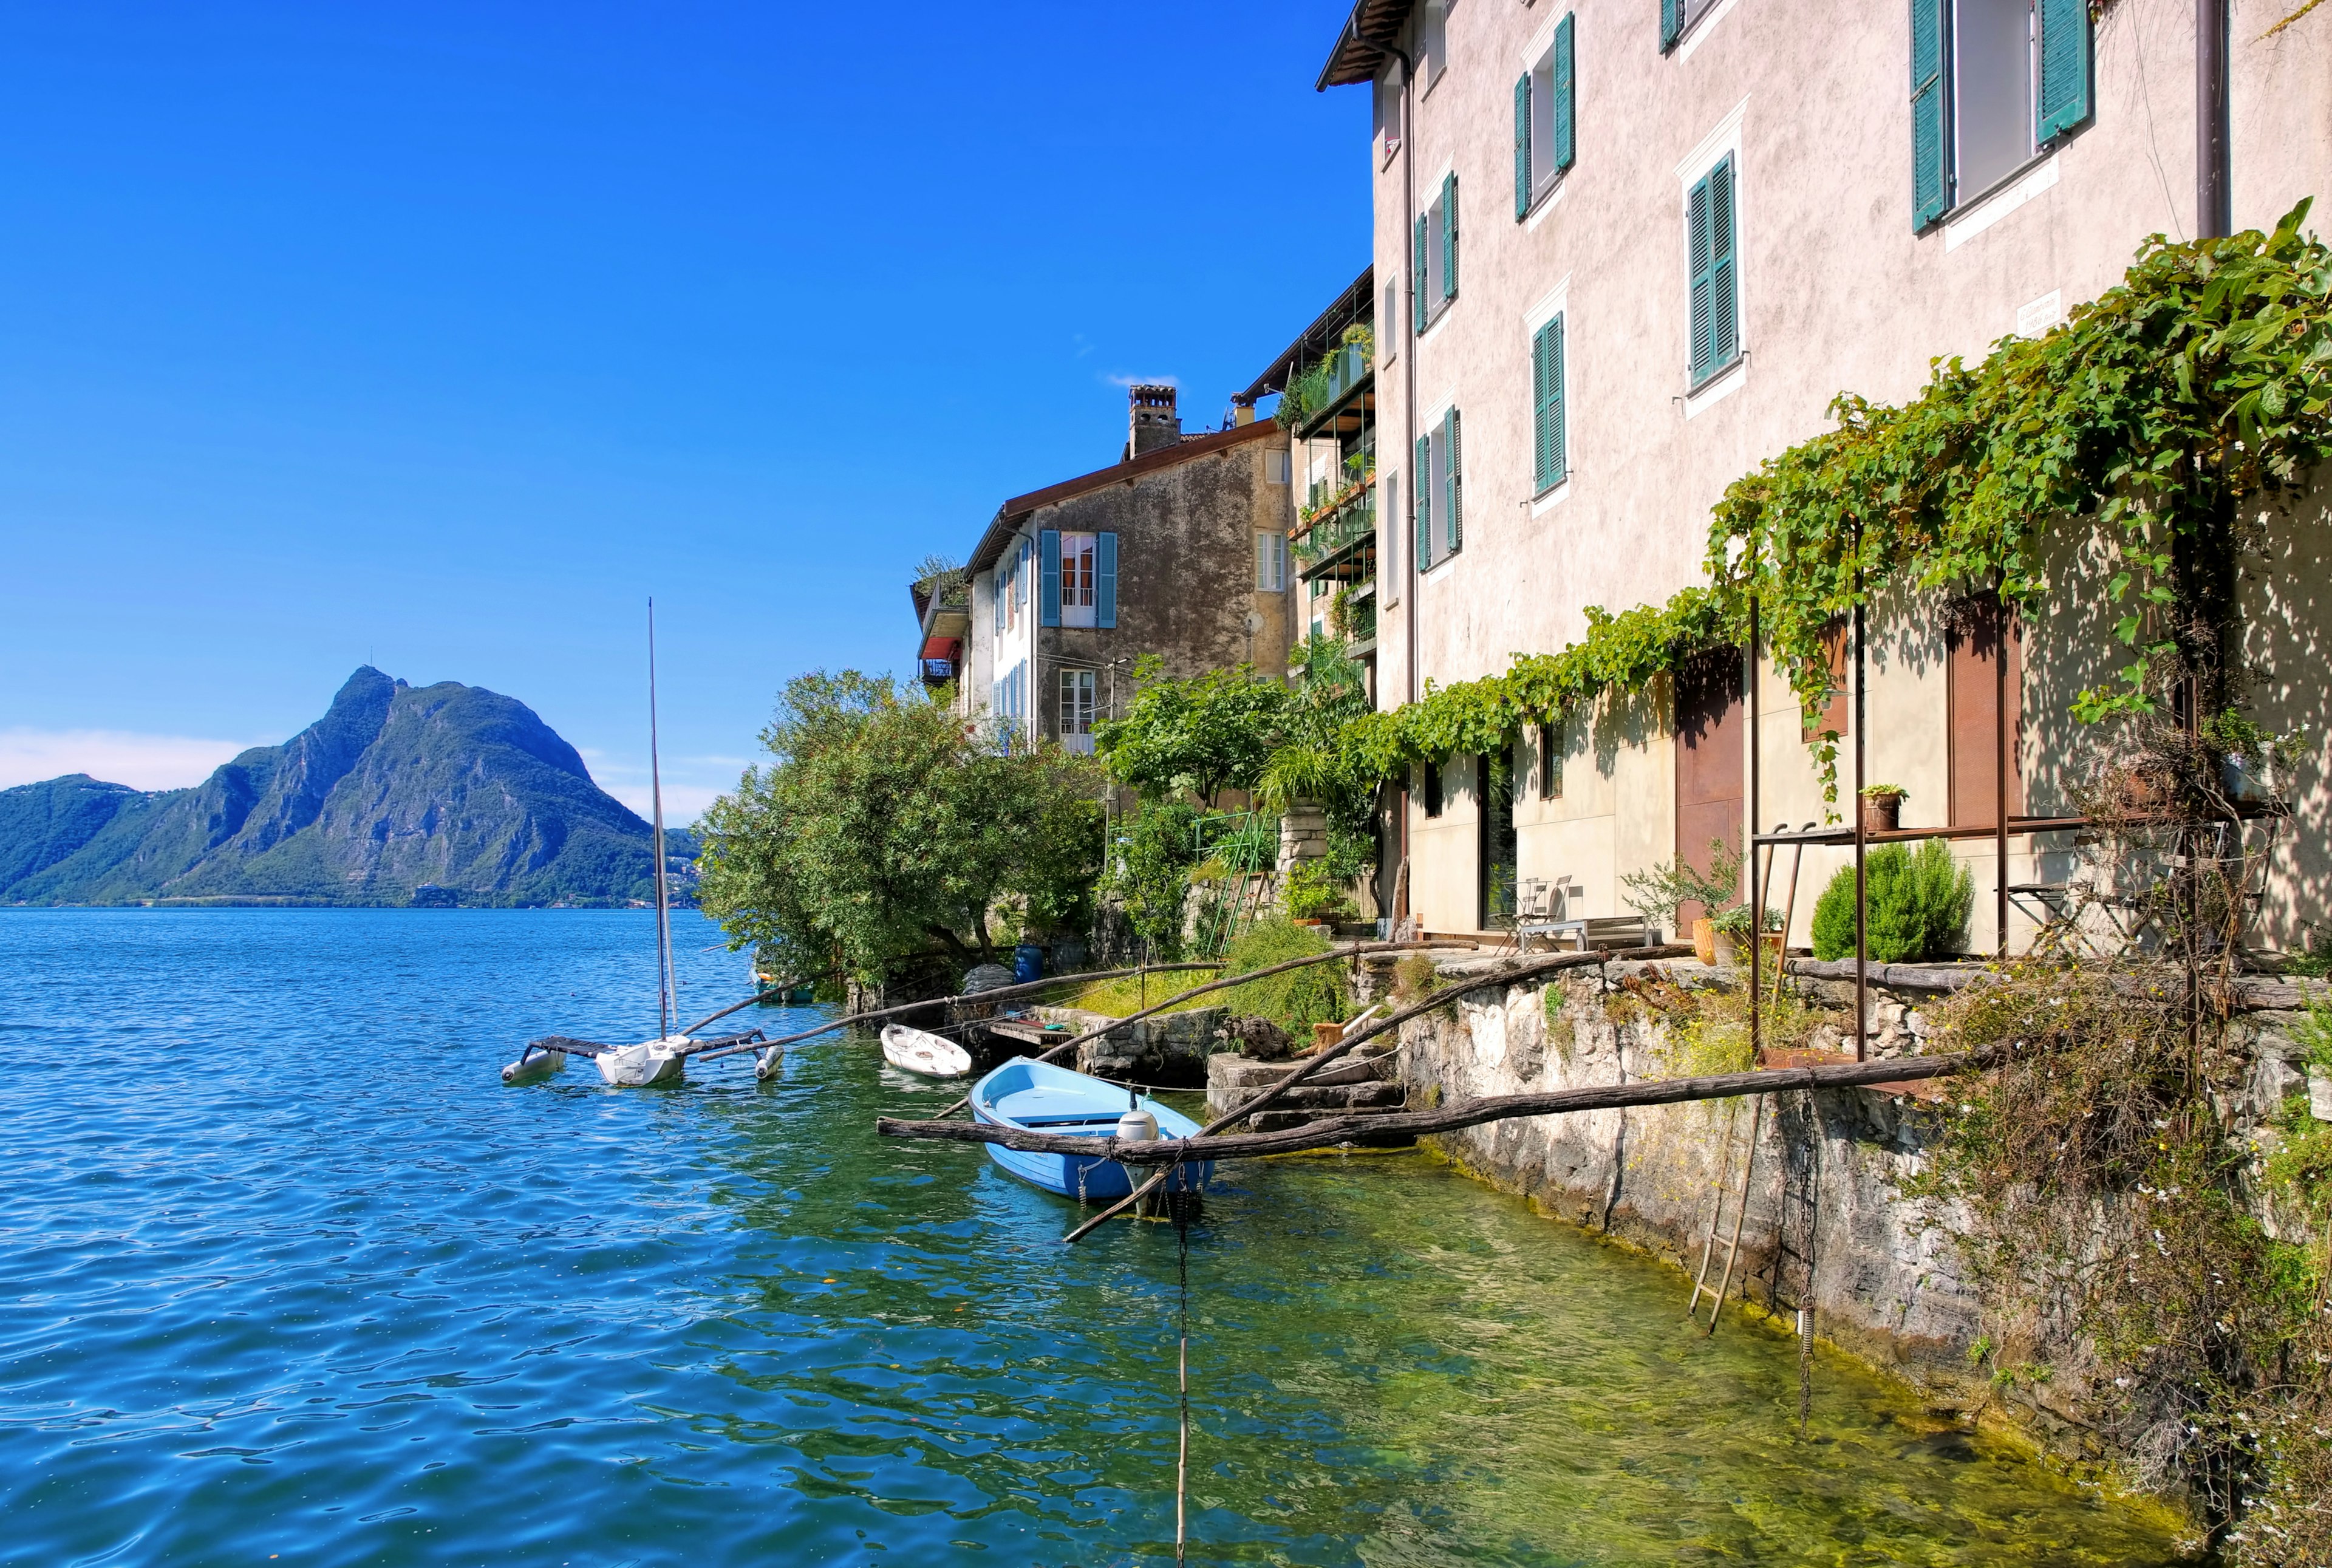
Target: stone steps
column 1356, row 1086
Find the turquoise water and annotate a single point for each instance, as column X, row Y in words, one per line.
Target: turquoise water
column 290, row 1276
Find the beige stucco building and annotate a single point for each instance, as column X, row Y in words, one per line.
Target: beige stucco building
column 1629, row 248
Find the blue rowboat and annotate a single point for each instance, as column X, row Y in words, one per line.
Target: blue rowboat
column 1044, row 1098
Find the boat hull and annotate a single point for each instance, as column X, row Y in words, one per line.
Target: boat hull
column 1073, row 1104
column 639, row 1066
column 926, row 1055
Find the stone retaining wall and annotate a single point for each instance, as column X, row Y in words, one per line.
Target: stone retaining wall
column 1885, row 1280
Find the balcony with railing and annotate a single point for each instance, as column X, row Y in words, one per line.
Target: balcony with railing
column 1336, row 397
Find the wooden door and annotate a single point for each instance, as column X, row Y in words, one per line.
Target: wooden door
column 1710, row 790
column 1974, row 636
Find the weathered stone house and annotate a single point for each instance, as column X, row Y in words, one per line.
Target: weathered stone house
column 1178, row 549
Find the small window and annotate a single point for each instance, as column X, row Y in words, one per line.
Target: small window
column 1389, row 342
column 1553, row 741
column 1270, row 561
column 1438, row 503
column 1993, row 81
column 1432, row 40
column 1389, row 95
column 1551, row 465
column 1678, row 17
column 1433, row 789
column 1079, row 578
column 1077, row 711
column 1434, row 256
column 1711, row 232
column 1545, row 119
column 1275, row 466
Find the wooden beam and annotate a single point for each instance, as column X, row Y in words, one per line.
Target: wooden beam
column 1453, row 1118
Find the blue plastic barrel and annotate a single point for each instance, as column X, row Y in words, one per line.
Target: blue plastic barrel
column 1027, row 962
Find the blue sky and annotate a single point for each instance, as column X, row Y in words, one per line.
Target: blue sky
column 441, row 335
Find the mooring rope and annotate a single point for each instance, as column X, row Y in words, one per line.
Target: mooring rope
column 1180, row 1205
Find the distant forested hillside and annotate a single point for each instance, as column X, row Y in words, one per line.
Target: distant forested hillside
column 454, row 792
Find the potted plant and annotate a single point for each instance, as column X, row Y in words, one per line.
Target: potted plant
column 1727, row 930
column 1657, row 894
column 1882, row 807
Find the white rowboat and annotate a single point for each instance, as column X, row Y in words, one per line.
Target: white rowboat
column 916, row 1051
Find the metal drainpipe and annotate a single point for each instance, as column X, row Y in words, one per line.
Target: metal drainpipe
column 2213, row 216
column 1409, row 420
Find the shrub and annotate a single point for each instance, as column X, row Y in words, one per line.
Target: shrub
column 1316, row 994
column 1313, row 893
column 1919, row 905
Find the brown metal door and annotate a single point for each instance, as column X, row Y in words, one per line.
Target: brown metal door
column 1709, row 790
column 1974, row 638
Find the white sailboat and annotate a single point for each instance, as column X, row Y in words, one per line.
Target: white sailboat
column 665, row 1059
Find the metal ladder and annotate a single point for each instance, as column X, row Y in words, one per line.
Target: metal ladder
column 1717, row 1215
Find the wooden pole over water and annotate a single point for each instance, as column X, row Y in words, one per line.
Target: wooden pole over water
column 664, row 997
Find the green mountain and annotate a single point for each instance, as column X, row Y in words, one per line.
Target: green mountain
column 451, row 792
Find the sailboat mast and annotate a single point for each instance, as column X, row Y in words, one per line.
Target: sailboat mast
column 663, row 902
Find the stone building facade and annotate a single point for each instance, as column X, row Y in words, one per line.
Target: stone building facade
column 1178, row 549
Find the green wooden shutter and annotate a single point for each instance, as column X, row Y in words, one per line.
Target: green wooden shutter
column 1671, row 23
column 2062, row 101
column 1105, row 579
column 1423, row 503
column 1449, row 235
column 1522, row 147
column 1453, row 468
column 1696, row 230
column 1048, row 578
column 1417, row 275
column 1724, row 292
column 1546, row 403
column 1566, row 96
column 1929, row 192
column 1543, row 462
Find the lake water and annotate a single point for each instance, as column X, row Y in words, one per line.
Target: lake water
column 290, row 1276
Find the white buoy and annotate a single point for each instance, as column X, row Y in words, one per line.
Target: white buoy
column 771, row 1061
column 649, row 1061
column 540, row 1064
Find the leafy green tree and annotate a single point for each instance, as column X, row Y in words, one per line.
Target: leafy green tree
column 887, row 828
column 1309, row 760
column 1148, row 871
column 1205, row 735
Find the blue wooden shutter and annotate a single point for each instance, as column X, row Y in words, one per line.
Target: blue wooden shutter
column 1566, row 96
column 1105, row 579
column 1417, row 281
column 1929, row 193
column 1522, row 147
column 1671, row 23
column 1423, row 504
column 1449, row 235
column 1453, row 470
column 1696, row 232
column 1049, row 577
column 1723, row 281
column 2062, row 101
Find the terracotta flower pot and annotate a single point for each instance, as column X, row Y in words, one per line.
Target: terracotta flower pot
column 1882, row 813
column 1704, row 941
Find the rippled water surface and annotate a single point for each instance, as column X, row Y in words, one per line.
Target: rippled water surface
column 290, row 1276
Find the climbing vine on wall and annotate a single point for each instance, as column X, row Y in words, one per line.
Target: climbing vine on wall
column 2160, row 415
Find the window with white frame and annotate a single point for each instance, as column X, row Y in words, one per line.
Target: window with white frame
column 1993, row 82
column 1437, row 494
column 1270, row 561
column 1546, row 117
column 1678, row 17
column 1388, row 107
column 1712, row 227
column 1433, row 260
column 1275, row 466
column 1079, row 578
column 1076, row 687
column 1432, row 40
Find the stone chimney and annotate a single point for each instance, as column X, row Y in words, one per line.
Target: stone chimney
column 1150, row 420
